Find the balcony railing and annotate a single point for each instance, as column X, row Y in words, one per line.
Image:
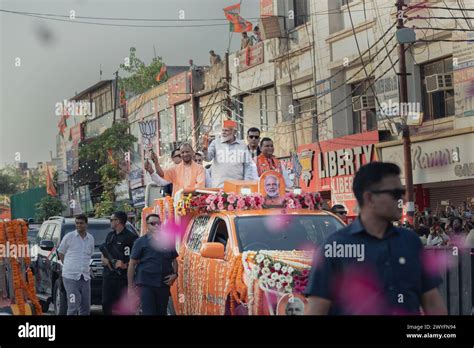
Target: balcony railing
column 251, row 56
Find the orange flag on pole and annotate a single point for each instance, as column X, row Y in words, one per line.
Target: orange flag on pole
column 237, row 23
column 50, row 189
column 162, row 73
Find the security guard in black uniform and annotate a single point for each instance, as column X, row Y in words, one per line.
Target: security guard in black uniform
column 115, row 257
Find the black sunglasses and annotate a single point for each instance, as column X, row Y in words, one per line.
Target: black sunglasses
column 342, row 212
column 254, row 136
column 396, row 193
column 176, row 156
column 154, row 223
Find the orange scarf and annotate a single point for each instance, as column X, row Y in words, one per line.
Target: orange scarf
column 265, row 164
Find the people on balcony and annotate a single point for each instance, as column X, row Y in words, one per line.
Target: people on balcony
column 215, row 58
column 246, row 41
column 257, row 35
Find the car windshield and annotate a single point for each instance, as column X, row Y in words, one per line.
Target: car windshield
column 32, row 235
column 98, row 231
column 284, row 232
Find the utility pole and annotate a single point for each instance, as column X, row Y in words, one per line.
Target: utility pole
column 227, row 85
column 116, row 94
column 403, row 100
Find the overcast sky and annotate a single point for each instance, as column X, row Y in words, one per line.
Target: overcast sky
column 59, row 59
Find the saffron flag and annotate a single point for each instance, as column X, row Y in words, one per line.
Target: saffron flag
column 237, row 23
column 162, row 73
column 62, row 125
column 50, row 189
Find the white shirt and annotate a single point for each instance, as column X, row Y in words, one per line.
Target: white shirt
column 469, row 242
column 437, row 240
column 77, row 255
column 159, row 180
column 208, row 177
column 231, row 161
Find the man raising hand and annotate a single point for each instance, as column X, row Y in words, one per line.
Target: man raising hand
column 187, row 175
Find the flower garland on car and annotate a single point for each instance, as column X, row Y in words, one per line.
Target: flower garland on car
column 279, row 270
column 231, row 202
column 238, row 289
column 307, row 200
column 219, row 201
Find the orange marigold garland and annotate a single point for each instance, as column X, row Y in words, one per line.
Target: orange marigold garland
column 237, row 288
column 3, row 235
column 161, row 210
column 15, row 232
column 170, row 201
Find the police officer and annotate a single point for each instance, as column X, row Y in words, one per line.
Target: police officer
column 118, row 246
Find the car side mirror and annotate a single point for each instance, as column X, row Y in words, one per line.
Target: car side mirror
column 213, row 251
column 46, row 245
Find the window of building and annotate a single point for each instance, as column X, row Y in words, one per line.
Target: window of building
column 252, row 113
column 364, row 114
column 98, row 106
column 438, row 102
column 302, row 13
column 166, row 132
column 108, row 100
column 268, row 107
column 135, row 153
column 306, row 108
column 184, row 122
column 104, row 103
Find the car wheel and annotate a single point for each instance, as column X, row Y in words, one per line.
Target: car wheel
column 44, row 306
column 60, row 303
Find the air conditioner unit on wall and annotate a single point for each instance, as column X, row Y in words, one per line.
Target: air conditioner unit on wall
column 363, row 102
column 439, row 82
column 271, row 27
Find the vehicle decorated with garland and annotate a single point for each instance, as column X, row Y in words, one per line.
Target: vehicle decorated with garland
column 246, row 253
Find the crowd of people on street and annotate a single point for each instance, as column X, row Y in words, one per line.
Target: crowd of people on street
column 139, row 268
column 448, row 225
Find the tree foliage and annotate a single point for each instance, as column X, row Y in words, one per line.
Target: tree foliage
column 48, row 206
column 12, row 181
column 109, row 150
column 141, row 77
column 9, row 184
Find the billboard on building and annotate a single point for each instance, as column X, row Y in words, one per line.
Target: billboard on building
column 463, row 71
column 266, row 8
column 331, row 166
column 179, row 88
